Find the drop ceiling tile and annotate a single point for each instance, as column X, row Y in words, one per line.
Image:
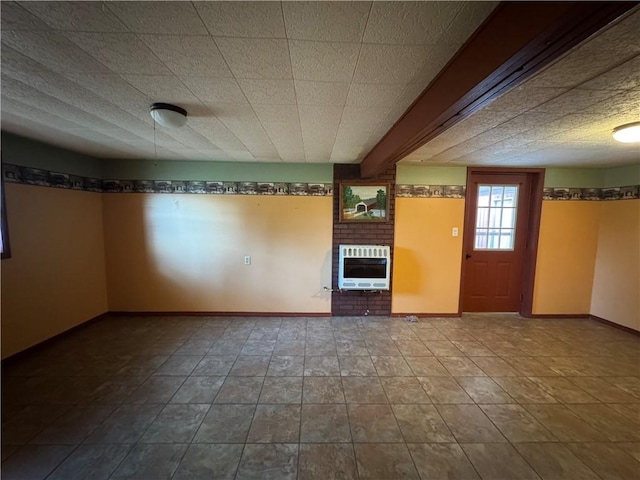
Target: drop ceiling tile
column 326, row 21
column 193, row 56
column 319, row 127
column 523, row 98
column 578, row 66
column 18, row 108
column 217, row 133
column 170, row 18
column 374, row 95
column 52, row 50
column 13, row 16
column 256, row 58
column 76, row 16
column 215, row 90
column 410, row 23
column 390, row 63
column 268, row 91
column 622, row 77
column 243, row 123
column 574, row 101
column 467, row 21
column 621, row 36
column 15, row 62
column 242, row 19
column 321, row 93
column 162, row 88
column 361, row 121
column 436, row 60
column 117, row 91
column 281, row 122
column 121, row 52
column 323, row 62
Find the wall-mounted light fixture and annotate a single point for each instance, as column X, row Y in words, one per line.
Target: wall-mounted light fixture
column 168, row 115
column 628, row 133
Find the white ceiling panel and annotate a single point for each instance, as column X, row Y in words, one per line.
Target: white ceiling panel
column 193, row 56
column 215, row 90
column 253, row 58
column 390, row 63
column 53, row 51
column 120, row 52
column 323, row 61
column 374, row 95
column 326, row 21
column 242, row 19
column 296, row 81
column 168, row 87
column 76, row 16
column 410, row 23
column 321, row 93
column 170, row 18
column 271, row 92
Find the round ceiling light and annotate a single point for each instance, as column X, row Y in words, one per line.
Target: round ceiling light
column 168, row 115
column 628, row 133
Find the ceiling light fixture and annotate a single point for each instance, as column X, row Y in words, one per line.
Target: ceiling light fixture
column 628, row 133
column 168, row 115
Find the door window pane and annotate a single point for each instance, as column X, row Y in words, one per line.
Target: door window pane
column 496, row 217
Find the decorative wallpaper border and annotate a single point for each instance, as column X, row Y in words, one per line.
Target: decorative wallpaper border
column 430, row 191
column 549, row 193
column 45, row 178
column 608, row 193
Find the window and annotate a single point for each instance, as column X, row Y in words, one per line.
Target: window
column 496, row 217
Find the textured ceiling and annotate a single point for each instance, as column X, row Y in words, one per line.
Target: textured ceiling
column 262, row 81
column 563, row 116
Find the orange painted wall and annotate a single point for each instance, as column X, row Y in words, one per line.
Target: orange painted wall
column 427, row 258
column 55, row 278
column 616, row 283
column 186, row 253
column 566, row 257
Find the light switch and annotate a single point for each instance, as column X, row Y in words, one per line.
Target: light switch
column 454, row 232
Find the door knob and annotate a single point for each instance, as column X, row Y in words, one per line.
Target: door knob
column 467, row 256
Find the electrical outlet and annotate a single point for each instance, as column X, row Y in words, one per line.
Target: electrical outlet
column 454, row 232
column 247, row 259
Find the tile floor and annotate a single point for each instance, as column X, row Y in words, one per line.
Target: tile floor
column 484, row 396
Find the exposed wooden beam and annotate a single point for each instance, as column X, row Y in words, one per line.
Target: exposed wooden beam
column 515, row 42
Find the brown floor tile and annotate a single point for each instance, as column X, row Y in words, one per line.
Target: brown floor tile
column 357, row 366
column 563, row 390
column 225, row 424
column 391, row 366
column 461, row 367
column 324, row 424
column 150, row 461
column 286, row 366
column 373, row 424
column 422, row 424
column 529, row 366
column 210, row 461
column 125, row 425
column 363, row 390
column 445, row 461
column 484, row 390
column 632, row 448
column 498, row 461
column 404, row 390
column 74, row 426
column 517, row 424
column 603, row 391
column 321, row 366
column 469, row 424
column 554, row 460
column 442, row 348
column 240, row 390
column 413, row 348
column 95, row 462
column 384, row 461
column 275, row 424
column 444, row 390
column 175, row 424
column 427, row 367
column 33, row 462
column 198, row 390
column 564, row 424
column 614, row 426
column 322, row 390
column 281, row 390
column 250, row 366
column 629, row 410
column 327, row 461
column 268, row 462
column 523, row 390
column 179, row 365
column 495, row 367
column 607, row 459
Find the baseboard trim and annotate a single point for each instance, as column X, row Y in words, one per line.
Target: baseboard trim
column 39, row 346
column 615, row 325
column 559, row 315
column 219, row 314
column 428, row 315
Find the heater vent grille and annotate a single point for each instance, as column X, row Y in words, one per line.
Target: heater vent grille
column 364, row 267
